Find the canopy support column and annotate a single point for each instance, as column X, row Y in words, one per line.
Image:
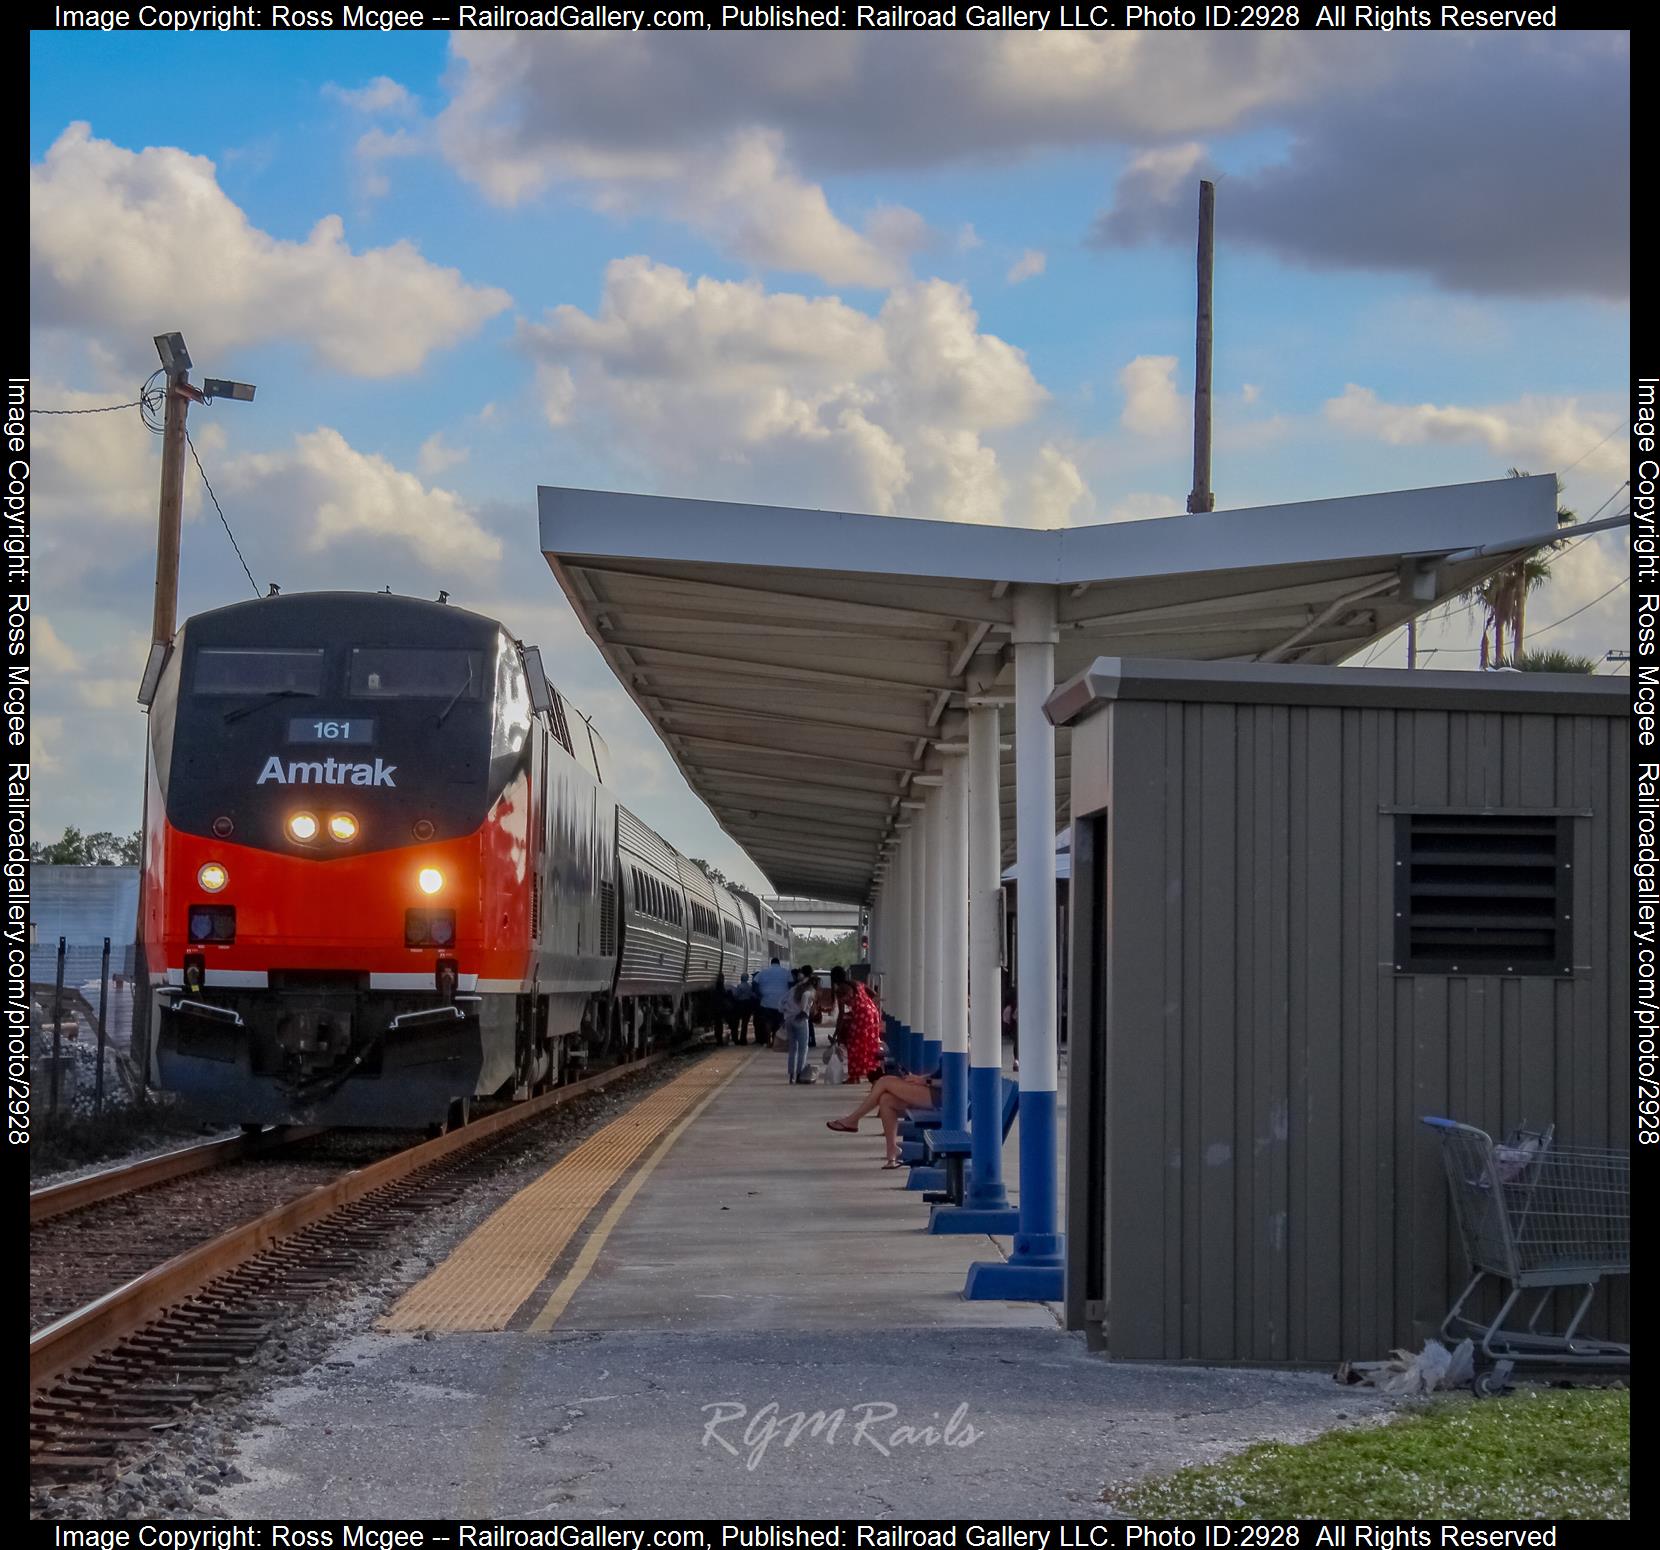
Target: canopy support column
column 953, row 843
column 1034, row 1273
column 916, row 976
column 985, row 1207
column 933, row 925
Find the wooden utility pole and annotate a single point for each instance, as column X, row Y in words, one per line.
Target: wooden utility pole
column 180, row 394
column 1202, row 498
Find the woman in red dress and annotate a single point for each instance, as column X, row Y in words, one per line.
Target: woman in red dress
column 860, row 1027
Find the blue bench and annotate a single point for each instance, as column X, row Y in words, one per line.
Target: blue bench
column 953, row 1148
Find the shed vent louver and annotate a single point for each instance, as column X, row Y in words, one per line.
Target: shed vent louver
column 1483, row 893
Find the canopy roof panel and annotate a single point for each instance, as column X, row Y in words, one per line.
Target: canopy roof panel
column 802, row 667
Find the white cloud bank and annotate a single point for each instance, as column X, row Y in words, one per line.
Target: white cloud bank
column 116, row 235
column 808, row 401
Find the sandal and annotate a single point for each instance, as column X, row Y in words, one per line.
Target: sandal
column 841, row 1125
column 887, row 1165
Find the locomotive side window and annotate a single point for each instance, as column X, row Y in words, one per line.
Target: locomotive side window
column 416, row 673
column 257, row 670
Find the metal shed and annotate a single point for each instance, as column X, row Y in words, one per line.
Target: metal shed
column 1310, row 906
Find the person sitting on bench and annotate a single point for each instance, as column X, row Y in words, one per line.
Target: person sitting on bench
column 893, row 1097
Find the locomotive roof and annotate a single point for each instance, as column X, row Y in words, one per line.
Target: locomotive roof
column 301, row 618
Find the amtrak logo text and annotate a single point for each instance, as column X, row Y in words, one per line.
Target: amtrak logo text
column 326, row 772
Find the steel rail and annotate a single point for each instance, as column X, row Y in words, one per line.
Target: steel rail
column 76, row 1337
column 60, row 1199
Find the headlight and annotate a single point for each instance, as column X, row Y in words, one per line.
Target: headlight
column 303, row 826
column 430, row 879
column 212, row 876
column 343, row 827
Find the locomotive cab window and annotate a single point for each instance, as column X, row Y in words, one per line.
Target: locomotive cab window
column 1483, row 893
column 257, row 670
column 416, row 673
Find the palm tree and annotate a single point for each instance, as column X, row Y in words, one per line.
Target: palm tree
column 1503, row 596
column 1554, row 662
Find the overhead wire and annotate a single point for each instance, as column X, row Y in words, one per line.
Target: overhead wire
column 151, row 403
column 220, row 509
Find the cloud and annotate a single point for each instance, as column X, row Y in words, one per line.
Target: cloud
column 1152, row 406
column 46, row 647
column 1030, row 264
column 1543, row 434
column 332, row 497
column 748, row 198
column 734, row 135
column 729, row 389
column 374, row 148
column 1142, row 505
column 382, row 95
column 116, row 235
column 436, row 455
column 95, row 480
column 1056, row 494
column 594, row 104
column 1491, row 166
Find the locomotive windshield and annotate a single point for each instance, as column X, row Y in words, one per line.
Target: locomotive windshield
column 254, row 670
column 416, row 673
column 412, row 715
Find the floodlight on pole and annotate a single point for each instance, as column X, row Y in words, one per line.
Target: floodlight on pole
column 218, row 387
column 174, row 356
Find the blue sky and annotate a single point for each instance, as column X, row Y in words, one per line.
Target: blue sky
column 943, row 276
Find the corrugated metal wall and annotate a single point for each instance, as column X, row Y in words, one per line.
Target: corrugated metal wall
column 1263, row 1189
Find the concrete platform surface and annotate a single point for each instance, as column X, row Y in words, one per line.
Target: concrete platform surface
column 1026, row 1423
column 758, row 1269
column 761, row 1218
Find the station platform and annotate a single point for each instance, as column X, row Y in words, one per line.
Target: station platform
column 719, row 1202
column 715, row 1307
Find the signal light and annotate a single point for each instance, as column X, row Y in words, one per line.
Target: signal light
column 343, row 827
column 212, row 876
column 212, row 923
column 428, row 928
column 303, row 826
column 430, row 879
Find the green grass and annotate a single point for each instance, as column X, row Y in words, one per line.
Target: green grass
column 1538, row 1452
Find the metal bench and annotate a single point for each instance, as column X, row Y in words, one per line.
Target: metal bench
column 952, row 1148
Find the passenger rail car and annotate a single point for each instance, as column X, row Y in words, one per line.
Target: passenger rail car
column 385, row 873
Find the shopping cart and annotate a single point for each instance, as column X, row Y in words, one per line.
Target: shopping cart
column 1538, row 1217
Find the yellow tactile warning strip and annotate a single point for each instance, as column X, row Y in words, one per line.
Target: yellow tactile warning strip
column 500, row 1263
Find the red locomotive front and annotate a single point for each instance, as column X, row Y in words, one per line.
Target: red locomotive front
column 337, row 877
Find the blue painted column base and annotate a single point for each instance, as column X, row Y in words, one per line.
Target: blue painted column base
column 954, row 1090
column 931, row 1050
column 985, row 1190
column 923, row 1177
column 1014, row 1281
column 1035, row 1272
column 966, row 1219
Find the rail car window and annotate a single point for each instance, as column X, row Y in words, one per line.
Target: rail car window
column 257, row 670
column 416, row 673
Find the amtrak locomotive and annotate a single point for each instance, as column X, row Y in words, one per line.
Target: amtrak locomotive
column 385, row 874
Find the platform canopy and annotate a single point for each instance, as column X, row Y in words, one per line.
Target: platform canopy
column 801, row 666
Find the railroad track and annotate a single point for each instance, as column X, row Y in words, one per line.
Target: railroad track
column 57, row 1200
column 111, row 1376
